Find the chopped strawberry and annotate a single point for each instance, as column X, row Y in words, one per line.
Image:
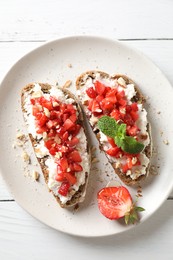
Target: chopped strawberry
column 120, row 94
column 65, row 116
column 42, row 121
column 73, row 118
column 35, row 110
column 32, row 101
column 60, row 177
column 115, row 114
column 63, row 164
column 99, row 87
column 74, row 156
column 52, row 151
column 128, row 119
column 74, row 141
column 111, row 92
column 52, row 123
column 134, row 106
column 96, row 107
column 91, row 92
column 113, row 151
column 106, row 104
column 99, row 98
column 49, row 143
column 41, row 130
column 68, row 124
column 71, row 178
column 122, row 102
column 64, row 188
column 47, row 105
column 111, row 141
column 77, row 129
column 90, row 104
column 77, row 167
column 132, row 130
column 114, row 202
column 134, row 115
column 65, row 136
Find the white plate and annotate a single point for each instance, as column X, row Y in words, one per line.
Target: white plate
column 49, row 63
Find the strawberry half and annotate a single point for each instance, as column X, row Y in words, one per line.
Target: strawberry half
column 116, row 202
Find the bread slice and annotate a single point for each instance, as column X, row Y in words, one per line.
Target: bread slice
column 75, row 195
column 86, row 80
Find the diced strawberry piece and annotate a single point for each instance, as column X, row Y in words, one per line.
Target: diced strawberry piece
column 128, row 120
column 64, row 188
column 41, row 130
column 51, row 133
column 114, row 202
column 41, row 100
column 125, row 168
column 120, row 94
column 111, row 141
column 74, row 141
column 90, row 104
column 77, row 167
column 65, row 136
column 62, row 148
column 75, row 156
column 68, row 124
column 71, row 178
column 32, row 101
column 134, row 115
column 48, row 105
column 55, row 115
column 113, row 151
column 35, row 110
column 63, row 163
column 132, row 130
column 128, row 108
column 129, row 163
column 52, row 123
column 70, row 109
column 119, row 154
column 52, row 151
column 62, row 107
column 106, row 104
column 42, row 121
column 49, row 143
column 111, row 92
column 111, row 99
column 95, row 107
column 77, row 129
column 99, row 87
column 99, row 98
column 91, row 92
column 134, row 106
column 60, row 177
column 107, row 90
column 122, row 102
column 64, row 117
column 73, row 118
column 115, row 114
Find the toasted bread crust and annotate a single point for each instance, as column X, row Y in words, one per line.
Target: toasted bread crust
column 80, row 194
column 138, row 98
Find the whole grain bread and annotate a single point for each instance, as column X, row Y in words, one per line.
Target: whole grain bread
column 79, row 195
column 139, row 98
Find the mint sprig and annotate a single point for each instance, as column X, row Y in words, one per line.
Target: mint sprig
column 111, row 128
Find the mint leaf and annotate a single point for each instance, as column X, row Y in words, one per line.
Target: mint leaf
column 111, row 128
column 120, row 134
column 130, row 145
column 108, row 126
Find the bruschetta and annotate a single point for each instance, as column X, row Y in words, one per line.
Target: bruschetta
column 56, row 129
column 114, row 106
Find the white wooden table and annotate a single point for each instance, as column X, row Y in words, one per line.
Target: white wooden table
column 146, row 25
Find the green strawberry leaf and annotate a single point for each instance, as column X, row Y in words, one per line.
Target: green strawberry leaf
column 130, row 145
column 140, row 209
column 108, row 126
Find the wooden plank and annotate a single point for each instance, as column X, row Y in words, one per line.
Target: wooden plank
column 161, row 52
column 23, row 237
column 32, row 20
